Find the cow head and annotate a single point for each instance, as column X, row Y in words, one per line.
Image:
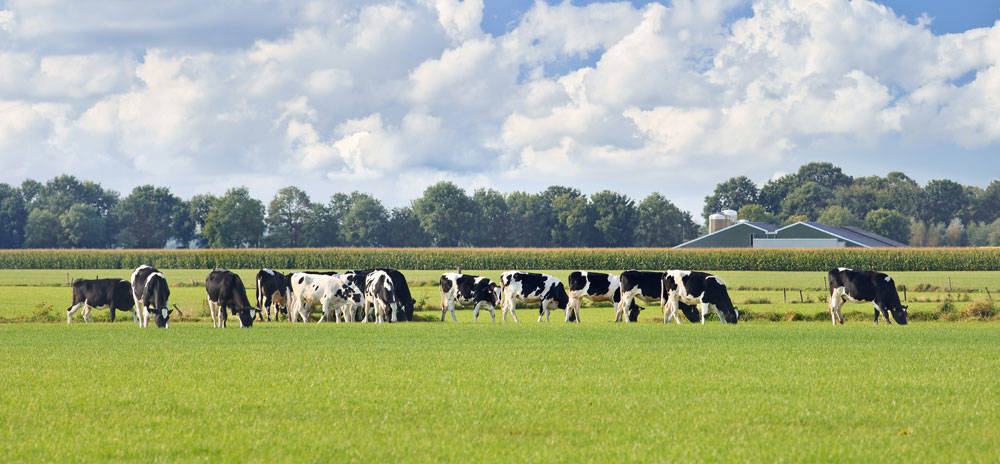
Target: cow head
column 899, row 314
column 247, row 315
column 633, row 312
column 161, row 317
column 731, row 316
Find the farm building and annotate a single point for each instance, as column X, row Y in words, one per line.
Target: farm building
column 744, row 234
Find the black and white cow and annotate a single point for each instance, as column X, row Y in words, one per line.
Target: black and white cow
column 150, row 291
column 595, row 286
column 706, row 291
column 226, row 292
column 530, row 287
column 380, row 294
column 399, row 285
column 116, row 294
column 272, row 293
column 467, row 289
column 646, row 286
column 331, row 292
column 865, row 286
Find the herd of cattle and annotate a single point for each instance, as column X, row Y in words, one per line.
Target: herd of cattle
column 382, row 294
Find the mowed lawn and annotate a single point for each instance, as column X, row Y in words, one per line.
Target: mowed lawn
column 757, row 392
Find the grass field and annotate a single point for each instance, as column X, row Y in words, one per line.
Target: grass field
column 22, row 291
column 757, row 392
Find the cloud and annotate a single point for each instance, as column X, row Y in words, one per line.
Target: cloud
column 388, row 96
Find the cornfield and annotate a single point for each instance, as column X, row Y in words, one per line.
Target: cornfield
column 908, row 259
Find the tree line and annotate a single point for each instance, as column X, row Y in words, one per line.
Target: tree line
column 66, row 212
column 940, row 213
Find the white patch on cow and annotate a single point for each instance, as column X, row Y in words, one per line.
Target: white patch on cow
column 270, row 272
column 842, row 269
column 717, row 279
column 163, row 312
column 888, row 279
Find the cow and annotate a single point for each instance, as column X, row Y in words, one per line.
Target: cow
column 116, row 294
column 226, row 292
column 380, row 294
column 865, row 286
column 595, row 286
column 647, row 287
column 150, row 291
column 401, row 288
column 272, row 293
column 705, row 290
column 328, row 291
column 530, row 287
column 467, row 289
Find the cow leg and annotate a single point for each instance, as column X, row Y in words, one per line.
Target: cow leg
column 71, row 310
column 876, row 315
column 451, row 309
column 885, row 315
column 475, row 312
column 86, row 313
column 112, row 308
column 211, row 312
column 135, row 310
column 703, row 310
column 144, row 322
column 624, row 303
column 493, row 316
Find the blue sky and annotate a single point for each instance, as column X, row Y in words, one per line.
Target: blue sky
column 390, row 96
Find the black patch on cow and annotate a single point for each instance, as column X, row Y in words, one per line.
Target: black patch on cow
column 872, row 287
column 267, row 284
column 116, row 294
column 225, row 288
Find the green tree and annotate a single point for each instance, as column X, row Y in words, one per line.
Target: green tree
column 988, row 204
column 364, row 224
column 235, row 221
column 616, row 218
column 807, row 200
column 890, row 223
column 182, row 226
column 731, row 194
column 288, row 217
column 84, row 227
column 492, row 218
column 858, row 199
column 662, row 224
column 756, row 213
column 918, row 233
column 199, row 206
column 531, row 220
column 43, row 230
column 902, row 194
column 13, row 216
column 836, row 215
column 144, row 219
column 321, row 228
column 405, row 230
column 825, row 174
column 954, row 234
column 575, row 219
column 775, row 190
column 447, row 214
column 792, row 219
column 945, row 199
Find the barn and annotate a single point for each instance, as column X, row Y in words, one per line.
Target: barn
column 745, row 234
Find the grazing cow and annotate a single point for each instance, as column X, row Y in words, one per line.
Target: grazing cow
column 402, row 289
column 226, row 292
column 328, row 291
column 380, row 294
column 647, row 287
column 865, row 286
column 116, row 294
column 272, row 293
column 150, row 291
column 531, row 287
column 706, row 291
column 468, row 289
column 596, row 286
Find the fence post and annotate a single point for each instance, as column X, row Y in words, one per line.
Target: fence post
column 784, row 293
column 904, row 293
column 800, row 297
column 988, row 294
column 949, row 283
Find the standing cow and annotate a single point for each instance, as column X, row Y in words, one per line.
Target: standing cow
column 226, row 292
column 647, row 287
column 272, row 293
column 331, row 292
column 467, row 289
column 531, row 287
column 116, row 294
column 380, row 294
column 595, row 286
column 706, row 291
column 865, row 286
column 151, row 294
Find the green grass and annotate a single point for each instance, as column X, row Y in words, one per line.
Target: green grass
column 501, row 392
column 22, row 291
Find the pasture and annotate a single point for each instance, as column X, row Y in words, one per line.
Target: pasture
column 500, row 392
column 431, row 391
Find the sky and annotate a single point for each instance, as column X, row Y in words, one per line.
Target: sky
column 388, row 97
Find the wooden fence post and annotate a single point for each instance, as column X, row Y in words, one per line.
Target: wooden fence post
column 904, row 293
column 801, row 300
column 784, row 293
